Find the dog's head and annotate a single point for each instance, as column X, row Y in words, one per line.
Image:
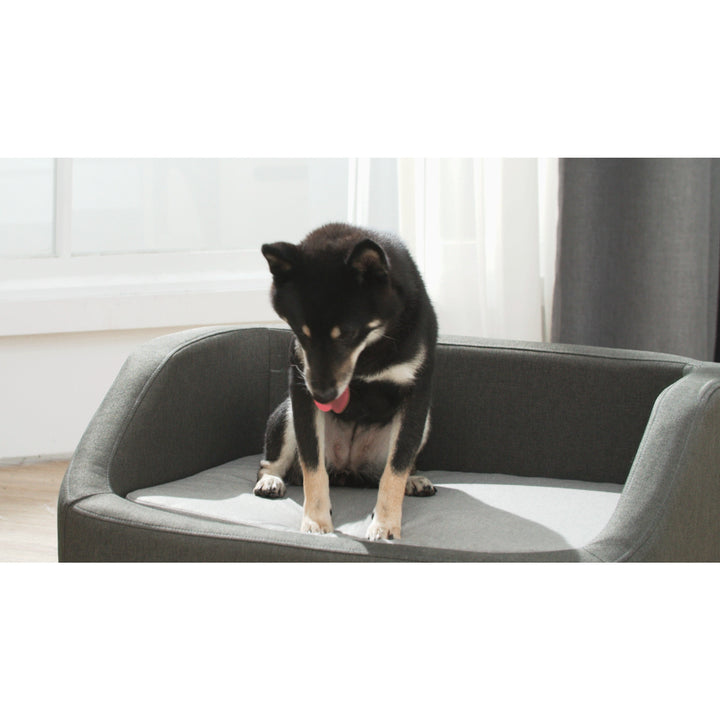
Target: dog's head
column 338, row 299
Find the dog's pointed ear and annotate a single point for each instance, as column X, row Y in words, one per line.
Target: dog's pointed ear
column 281, row 258
column 369, row 261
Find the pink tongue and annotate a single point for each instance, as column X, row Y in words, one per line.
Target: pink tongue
column 337, row 405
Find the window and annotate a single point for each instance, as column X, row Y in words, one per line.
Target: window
column 124, row 206
column 26, row 208
column 92, row 244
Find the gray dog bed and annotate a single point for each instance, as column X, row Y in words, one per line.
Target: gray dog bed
column 539, row 452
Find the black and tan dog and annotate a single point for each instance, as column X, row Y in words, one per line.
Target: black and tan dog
column 358, row 410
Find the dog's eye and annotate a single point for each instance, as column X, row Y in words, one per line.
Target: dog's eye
column 345, row 333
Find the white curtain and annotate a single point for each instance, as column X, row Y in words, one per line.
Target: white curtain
column 483, row 232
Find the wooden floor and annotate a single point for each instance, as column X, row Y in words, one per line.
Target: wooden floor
column 28, row 513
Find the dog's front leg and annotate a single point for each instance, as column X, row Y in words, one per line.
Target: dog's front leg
column 316, row 507
column 387, row 516
column 406, row 439
column 310, row 433
column 316, row 484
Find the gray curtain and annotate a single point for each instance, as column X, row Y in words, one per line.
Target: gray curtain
column 639, row 255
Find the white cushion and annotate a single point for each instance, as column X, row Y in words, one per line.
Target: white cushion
column 471, row 511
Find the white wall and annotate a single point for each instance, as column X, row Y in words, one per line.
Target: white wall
column 50, row 386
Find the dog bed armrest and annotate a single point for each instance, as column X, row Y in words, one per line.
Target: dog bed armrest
column 671, row 501
column 180, row 404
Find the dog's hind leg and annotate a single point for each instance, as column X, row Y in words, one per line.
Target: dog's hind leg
column 280, row 453
column 419, row 486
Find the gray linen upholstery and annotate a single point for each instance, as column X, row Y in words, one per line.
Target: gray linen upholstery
column 194, row 401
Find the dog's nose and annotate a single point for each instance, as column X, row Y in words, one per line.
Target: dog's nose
column 325, row 395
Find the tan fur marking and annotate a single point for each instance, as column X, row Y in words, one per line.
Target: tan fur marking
column 388, row 510
column 335, row 333
column 306, row 330
column 316, row 507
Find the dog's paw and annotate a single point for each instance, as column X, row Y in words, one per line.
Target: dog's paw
column 419, row 486
column 382, row 530
column 318, row 525
column 270, row 486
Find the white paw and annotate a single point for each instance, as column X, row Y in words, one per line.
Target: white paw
column 383, row 530
column 318, row 525
column 419, row 486
column 270, row 486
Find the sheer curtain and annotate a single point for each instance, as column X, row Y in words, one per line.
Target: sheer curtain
column 483, row 232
